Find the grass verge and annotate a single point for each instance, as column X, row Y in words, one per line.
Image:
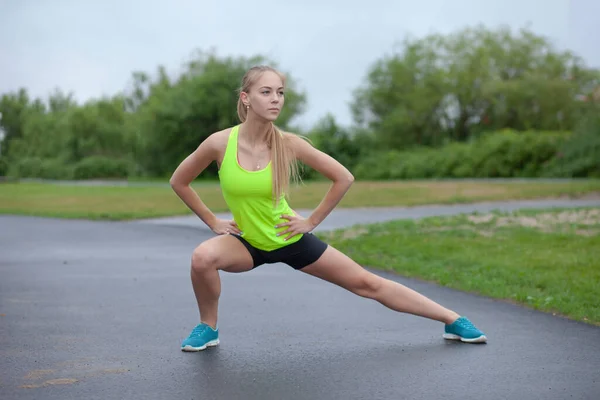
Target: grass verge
column 154, row 200
column 547, row 260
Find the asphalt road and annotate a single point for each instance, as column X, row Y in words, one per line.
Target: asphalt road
column 97, row 310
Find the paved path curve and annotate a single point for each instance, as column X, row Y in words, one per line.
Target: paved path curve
column 96, row 310
column 346, row 217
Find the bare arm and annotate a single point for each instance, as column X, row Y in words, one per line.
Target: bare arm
column 188, row 170
column 329, row 167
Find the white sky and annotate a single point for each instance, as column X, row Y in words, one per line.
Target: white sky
column 90, row 48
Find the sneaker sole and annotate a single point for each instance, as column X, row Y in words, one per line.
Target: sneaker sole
column 450, row 336
column 212, row 343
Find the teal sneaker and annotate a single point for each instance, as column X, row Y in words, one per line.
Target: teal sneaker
column 201, row 337
column 462, row 329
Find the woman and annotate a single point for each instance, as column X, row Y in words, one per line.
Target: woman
column 256, row 162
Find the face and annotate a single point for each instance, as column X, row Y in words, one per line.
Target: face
column 266, row 96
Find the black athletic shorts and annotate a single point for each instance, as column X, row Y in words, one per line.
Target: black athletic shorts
column 297, row 255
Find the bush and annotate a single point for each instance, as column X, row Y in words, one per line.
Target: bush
column 28, row 167
column 55, row 169
column 35, row 167
column 89, row 168
column 3, row 166
column 102, row 167
column 509, row 153
column 501, row 154
column 580, row 156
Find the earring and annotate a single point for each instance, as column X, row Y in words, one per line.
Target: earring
column 247, row 106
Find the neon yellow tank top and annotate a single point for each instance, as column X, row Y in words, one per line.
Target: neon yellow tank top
column 249, row 196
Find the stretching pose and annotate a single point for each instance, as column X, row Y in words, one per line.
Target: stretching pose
column 256, row 162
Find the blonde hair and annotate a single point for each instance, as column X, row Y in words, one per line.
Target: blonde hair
column 283, row 159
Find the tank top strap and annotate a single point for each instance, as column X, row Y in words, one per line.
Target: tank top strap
column 231, row 149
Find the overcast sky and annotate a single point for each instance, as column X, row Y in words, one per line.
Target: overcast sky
column 90, row 47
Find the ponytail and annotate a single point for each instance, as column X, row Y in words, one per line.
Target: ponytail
column 284, row 163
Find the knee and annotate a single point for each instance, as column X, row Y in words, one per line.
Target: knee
column 204, row 258
column 368, row 285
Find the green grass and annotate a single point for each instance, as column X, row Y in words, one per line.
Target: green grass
column 547, row 260
column 154, row 199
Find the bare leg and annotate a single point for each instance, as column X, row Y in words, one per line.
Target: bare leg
column 219, row 253
column 337, row 268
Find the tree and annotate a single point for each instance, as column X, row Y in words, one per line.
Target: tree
column 332, row 139
column 152, row 127
column 13, row 107
column 442, row 88
column 178, row 115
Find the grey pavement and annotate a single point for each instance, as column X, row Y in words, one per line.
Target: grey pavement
column 342, row 218
column 96, row 310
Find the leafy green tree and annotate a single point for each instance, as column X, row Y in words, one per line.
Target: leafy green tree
column 336, row 141
column 443, row 88
column 177, row 115
column 13, row 107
